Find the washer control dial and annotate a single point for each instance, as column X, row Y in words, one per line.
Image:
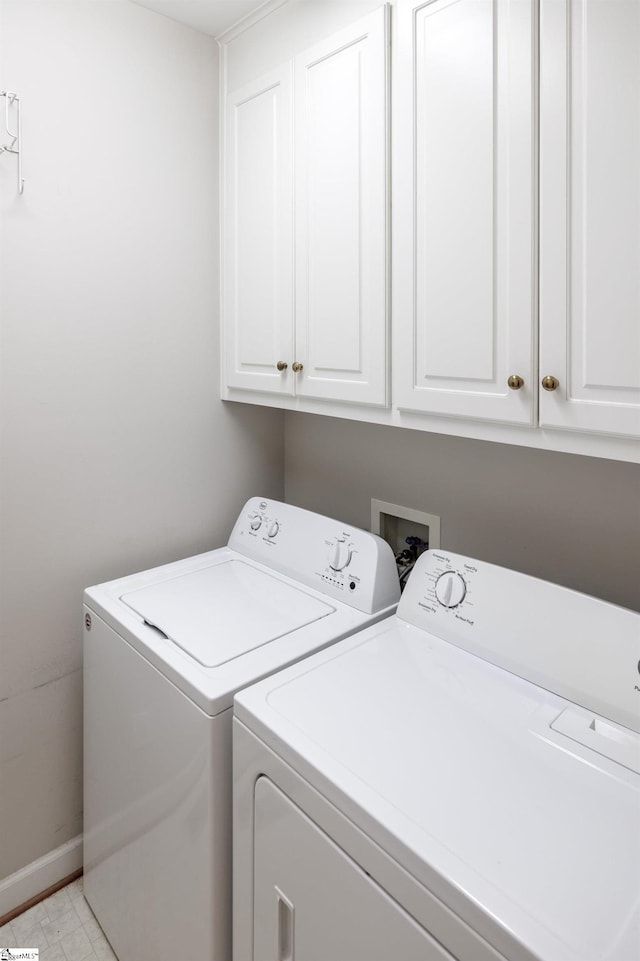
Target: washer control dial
column 256, row 523
column 450, row 589
column 339, row 555
column 274, row 527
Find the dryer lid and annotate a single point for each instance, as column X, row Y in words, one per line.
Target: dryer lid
column 221, row 612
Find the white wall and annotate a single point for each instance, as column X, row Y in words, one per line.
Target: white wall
column 566, row 518
column 116, row 453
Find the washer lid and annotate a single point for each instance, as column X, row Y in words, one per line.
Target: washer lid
column 220, row 612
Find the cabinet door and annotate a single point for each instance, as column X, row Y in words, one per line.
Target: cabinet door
column 258, row 235
column 464, row 208
column 590, row 214
column 341, row 141
column 312, row 902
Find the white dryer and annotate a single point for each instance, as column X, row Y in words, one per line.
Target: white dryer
column 164, row 653
column 459, row 781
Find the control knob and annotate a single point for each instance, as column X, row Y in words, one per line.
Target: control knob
column 450, row 589
column 339, row 555
column 274, row 527
column 256, row 523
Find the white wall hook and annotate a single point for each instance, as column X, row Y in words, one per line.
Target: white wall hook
column 12, row 102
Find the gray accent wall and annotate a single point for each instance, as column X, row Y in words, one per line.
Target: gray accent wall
column 566, row 518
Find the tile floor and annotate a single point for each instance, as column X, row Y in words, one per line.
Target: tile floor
column 62, row 927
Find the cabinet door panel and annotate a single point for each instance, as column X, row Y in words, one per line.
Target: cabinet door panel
column 341, row 222
column 455, row 191
column 464, row 200
column 590, row 214
column 258, row 252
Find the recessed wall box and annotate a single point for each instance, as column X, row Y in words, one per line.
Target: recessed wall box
column 394, row 524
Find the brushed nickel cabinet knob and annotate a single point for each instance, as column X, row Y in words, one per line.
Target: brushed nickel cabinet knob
column 282, row 365
column 297, row 367
column 515, row 382
column 550, row 383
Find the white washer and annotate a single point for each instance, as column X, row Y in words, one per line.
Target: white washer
column 460, row 781
column 164, row 653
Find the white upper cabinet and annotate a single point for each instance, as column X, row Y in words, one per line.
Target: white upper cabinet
column 327, row 326
column 464, row 209
column 590, row 214
column 258, row 234
column 512, row 220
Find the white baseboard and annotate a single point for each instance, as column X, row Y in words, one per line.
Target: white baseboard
column 40, row 875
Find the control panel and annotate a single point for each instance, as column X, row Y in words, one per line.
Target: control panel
column 343, row 562
column 578, row 646
column 447, row 588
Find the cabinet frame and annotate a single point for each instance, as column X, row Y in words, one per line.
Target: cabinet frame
column 541, row 432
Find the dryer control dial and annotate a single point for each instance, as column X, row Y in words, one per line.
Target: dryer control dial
column 274, row 527
column 256, row 523
column 339, row 555
column 450, row 589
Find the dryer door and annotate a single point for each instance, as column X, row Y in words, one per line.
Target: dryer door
column 313, row 902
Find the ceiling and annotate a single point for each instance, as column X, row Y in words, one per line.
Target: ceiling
column 209, row 16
